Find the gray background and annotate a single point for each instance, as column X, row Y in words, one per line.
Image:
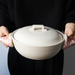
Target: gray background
column 69, row 61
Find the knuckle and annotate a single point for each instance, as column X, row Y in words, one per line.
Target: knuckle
column 1, row 26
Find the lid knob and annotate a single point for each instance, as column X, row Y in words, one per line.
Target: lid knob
column 38, row 27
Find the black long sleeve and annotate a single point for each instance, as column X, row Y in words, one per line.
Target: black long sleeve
column 69, row 12
column 5, row 17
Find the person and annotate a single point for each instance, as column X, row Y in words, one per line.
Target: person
column 58, row 14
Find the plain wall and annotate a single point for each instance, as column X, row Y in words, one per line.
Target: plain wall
column 69, row 61
column 3, row 60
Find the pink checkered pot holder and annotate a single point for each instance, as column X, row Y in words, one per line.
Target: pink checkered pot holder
column 68, row 42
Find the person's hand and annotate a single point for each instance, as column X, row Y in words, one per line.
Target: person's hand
column 70, row 30
column 4, row 33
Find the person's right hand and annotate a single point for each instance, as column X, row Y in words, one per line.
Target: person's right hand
column 4, row 33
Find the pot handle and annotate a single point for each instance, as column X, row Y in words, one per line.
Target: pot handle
column 7, row 40
column 68, row 42
column 37, row 27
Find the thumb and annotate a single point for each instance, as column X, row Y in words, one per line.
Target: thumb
column 69, row 30
column 4, row 31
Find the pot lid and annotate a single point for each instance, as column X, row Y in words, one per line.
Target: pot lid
column 38, row 35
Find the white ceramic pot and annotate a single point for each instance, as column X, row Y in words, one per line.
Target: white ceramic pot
column 38, row 42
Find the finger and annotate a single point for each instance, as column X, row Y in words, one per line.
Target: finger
column 70, row 33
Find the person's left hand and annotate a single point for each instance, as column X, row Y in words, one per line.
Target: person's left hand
column 70, row 30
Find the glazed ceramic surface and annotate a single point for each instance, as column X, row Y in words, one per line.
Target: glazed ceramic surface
column 38, row 42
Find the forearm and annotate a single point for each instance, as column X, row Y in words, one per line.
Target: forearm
column 4, row 15
column 69, row 12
